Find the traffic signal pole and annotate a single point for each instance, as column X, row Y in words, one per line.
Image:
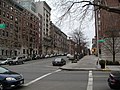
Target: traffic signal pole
column 97, row 31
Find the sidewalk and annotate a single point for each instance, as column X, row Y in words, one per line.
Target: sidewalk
column 87, row 63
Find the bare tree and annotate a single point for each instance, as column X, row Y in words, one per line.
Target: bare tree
column 111, row 44
column 80, row 40
column 79, row 10
column 72, row 11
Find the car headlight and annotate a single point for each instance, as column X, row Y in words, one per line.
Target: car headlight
column 10, row 79
column 21, row 75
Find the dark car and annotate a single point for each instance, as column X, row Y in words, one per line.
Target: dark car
column 58, row 62
column 10, row 79
column 114, row 80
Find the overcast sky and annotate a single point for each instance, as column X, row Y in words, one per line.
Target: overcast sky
column 88, row 30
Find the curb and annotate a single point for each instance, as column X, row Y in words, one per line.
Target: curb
column 84, row 69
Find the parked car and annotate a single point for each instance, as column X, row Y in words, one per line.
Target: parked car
column 69, row 55
column 114, row 80
column 37, row 56
column 17, row 60
column 5, row 62
column 42, row 56
column 47, row 56
column 34, row 57
column 58, row 62
column 51, row 55
column 27, row 58
column 9, row 79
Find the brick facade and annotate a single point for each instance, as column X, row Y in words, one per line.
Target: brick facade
column 21, row 34
column 107, row 22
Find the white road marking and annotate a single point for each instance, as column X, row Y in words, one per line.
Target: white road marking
column 90, row 81
column 39, row 78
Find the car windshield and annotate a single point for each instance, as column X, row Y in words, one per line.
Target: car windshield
column 3, row 70
column 58, row 59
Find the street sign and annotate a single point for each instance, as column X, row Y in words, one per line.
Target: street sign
column 101, row 41
column 2, row 26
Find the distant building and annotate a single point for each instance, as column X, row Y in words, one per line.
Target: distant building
column 28, row 4
column 71, row 47
column 59, row 40
column 44, row 9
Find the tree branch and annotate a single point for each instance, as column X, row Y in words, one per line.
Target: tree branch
column 107, row 8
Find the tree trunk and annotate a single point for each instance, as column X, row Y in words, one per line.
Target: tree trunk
column 113, row 56
column 113, row 49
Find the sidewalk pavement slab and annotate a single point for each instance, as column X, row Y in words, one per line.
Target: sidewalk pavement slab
column 87, row 63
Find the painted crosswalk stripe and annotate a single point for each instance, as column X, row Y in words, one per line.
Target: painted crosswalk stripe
column 90, row 81
column 39, row 78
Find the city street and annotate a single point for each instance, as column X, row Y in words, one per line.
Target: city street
column 84, row 33
column 41, row 75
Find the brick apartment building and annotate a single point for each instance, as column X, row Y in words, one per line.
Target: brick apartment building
column 21, row 34
column 107, row 23
column 71, row 49
column 58, row 40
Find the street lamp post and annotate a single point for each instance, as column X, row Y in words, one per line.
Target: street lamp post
column 98, row 65
column 97, row 29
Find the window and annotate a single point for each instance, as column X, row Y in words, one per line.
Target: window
column 11, row 8
column 23, row 51
column 4, row 14
column 7, row 34
column 7, row 15
column 16, row 28
column 6, row 52
column 2, row 52
column 16, row 20
column 3, row 4
column 0, row 11
column 27, row 24
column 11, row 26
column 3, row 33
column 7, row 6
column 7, row 24
column 27, row 51
column 10, row 52
column 11, row 17
column 31, row 25
column 3, row 22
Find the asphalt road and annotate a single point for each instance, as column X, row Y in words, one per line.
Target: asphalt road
column 41, row 75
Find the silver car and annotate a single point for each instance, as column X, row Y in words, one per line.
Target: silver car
column 17, row 60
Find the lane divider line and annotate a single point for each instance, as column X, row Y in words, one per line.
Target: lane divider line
column 90, row 81
column 39, row 78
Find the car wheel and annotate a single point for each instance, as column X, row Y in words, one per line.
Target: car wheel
column 16, row 63
column 22, row 62
column 1, row 86
column 111, row 86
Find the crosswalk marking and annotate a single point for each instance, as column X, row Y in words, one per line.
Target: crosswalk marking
column 39, row 78
column 90, row 81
